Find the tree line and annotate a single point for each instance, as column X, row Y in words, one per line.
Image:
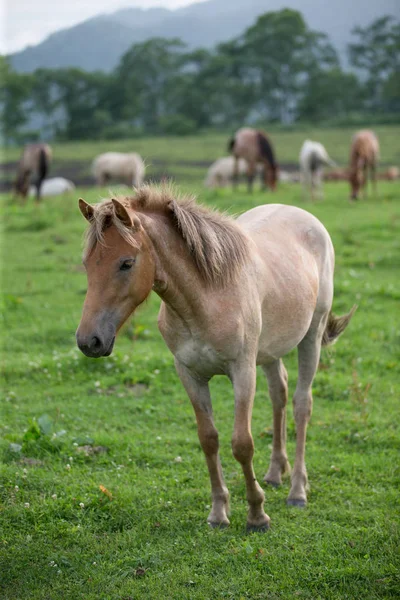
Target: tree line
column 278, row 70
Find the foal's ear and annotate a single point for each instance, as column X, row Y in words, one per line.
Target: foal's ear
column 123, row 215
column 86, row 209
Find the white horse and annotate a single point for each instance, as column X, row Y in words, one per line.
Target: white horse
column 128, row 167
column 313, row 157
column 55, row 186
column 221, row 172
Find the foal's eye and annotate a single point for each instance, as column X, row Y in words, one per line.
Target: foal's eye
column 127, row 264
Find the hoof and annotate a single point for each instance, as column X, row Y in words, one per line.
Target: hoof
column 257, row 528
column 296, row 502
column 215, row 525
column 274, row 484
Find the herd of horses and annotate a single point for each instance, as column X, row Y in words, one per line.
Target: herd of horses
column 251, row 153
column 235, row 293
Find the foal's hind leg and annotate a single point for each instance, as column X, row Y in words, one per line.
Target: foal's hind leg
column 309, row 351
column 278, row 390
column 199, row 394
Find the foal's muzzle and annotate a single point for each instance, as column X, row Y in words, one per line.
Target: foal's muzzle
column 94, row 346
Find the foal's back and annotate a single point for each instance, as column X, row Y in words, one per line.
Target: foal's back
column 294, row 273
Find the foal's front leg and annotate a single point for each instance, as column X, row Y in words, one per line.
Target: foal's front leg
column 199, row 394
column 244, row 385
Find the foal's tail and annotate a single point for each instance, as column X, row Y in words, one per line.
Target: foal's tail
column 335, row 326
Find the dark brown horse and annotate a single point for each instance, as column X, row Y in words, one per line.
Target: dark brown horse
column 33, row 166
column 254, row 147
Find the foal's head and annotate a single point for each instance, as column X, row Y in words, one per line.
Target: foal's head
column 120, row 272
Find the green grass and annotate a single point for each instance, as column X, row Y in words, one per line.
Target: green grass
column 150, row 540
column 209, row 146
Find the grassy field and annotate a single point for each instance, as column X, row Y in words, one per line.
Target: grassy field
column 209, row 146
column 96, row 504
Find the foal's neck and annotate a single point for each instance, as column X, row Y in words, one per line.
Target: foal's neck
column 177, row 279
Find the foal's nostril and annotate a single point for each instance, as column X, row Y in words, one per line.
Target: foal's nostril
column 95, row 344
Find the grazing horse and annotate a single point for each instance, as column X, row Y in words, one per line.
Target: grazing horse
column 255, row 148
column 33, row 165
column 54, row 186
column 127, row 167
column 313, row 157
column 221, row 172
column 235, row 294
column 364, row 155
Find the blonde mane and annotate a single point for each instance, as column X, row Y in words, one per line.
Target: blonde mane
column 215, row 242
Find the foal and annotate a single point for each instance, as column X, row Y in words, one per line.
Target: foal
column 235, row 294
column 33, row 164
column 364, row 155
column 254, row 147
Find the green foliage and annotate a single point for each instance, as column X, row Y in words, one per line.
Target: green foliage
column 15, row 93
column 330, row 93
column 376, row 52
column 95, row 506
column 177, row 125
column 278, row 70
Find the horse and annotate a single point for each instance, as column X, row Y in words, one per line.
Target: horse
column 128, row 167
column 54, row 186
column 221, row 172
column 312, row 159
column 254, row 147
column 235, row 294
column 33, row 164
column 364, row 155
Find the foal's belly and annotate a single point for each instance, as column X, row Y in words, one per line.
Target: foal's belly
column 283, row 332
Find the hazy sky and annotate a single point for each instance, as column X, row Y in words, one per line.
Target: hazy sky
column 27, row 22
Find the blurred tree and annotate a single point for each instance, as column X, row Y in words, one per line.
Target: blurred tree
column 391, row 93
column 330, row 94
column 145, row 77
column 376, row 52
column 15, row 94
column 76, row 98
column 277, row 70
column 282, row 53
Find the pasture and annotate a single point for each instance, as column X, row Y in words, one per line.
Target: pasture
column 104, row 488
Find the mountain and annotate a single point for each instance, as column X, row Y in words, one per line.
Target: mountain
column 98, row 43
